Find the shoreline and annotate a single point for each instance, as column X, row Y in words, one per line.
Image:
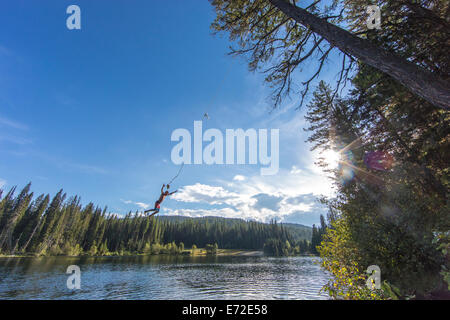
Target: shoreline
column 200, row 252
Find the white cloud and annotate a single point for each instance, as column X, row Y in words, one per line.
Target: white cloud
column 292, row 193
column 194, row 213
column 239, row 177
column 295, row 170
column 203, row 193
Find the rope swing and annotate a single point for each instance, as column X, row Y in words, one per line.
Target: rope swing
column 179, row 171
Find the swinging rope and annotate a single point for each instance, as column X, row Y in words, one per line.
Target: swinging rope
column 179, row 171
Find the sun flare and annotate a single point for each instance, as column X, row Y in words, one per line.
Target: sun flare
column 331, row 158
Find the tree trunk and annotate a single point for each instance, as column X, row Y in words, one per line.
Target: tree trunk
column 419, row 81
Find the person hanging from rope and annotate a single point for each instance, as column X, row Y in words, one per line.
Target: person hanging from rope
column 163, row 195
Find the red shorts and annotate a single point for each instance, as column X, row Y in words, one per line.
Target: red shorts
column 157, row 205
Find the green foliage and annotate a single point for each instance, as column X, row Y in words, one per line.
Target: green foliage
column 93, row 250
column 442, row 240
column 211, row 248
column 340, row 258
column 70, row 250
column 278, row 248
column 103, row 250
column 284, row 245
column 155, row 248
column 386, row 217
column 147, row 248
column 317, row 234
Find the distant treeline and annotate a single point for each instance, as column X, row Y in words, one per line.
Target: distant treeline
column 280, row 247
column 61, row 226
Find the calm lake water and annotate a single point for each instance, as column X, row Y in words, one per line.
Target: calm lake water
column 163, row 277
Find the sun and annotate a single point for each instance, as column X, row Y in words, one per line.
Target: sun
column 331, row 158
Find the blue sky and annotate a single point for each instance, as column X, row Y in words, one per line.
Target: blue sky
column 92, row 111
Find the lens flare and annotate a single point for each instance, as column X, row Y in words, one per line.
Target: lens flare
column 332, row 158
column 378, row 160
column 346, row 166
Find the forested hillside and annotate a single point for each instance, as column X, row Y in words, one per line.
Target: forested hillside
column 297, row 231
column 63, row 226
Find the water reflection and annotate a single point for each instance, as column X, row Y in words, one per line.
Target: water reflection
column 163, row 277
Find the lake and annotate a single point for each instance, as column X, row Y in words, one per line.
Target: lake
column 164, row 277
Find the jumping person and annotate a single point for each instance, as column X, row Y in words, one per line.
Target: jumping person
column 163, row 195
